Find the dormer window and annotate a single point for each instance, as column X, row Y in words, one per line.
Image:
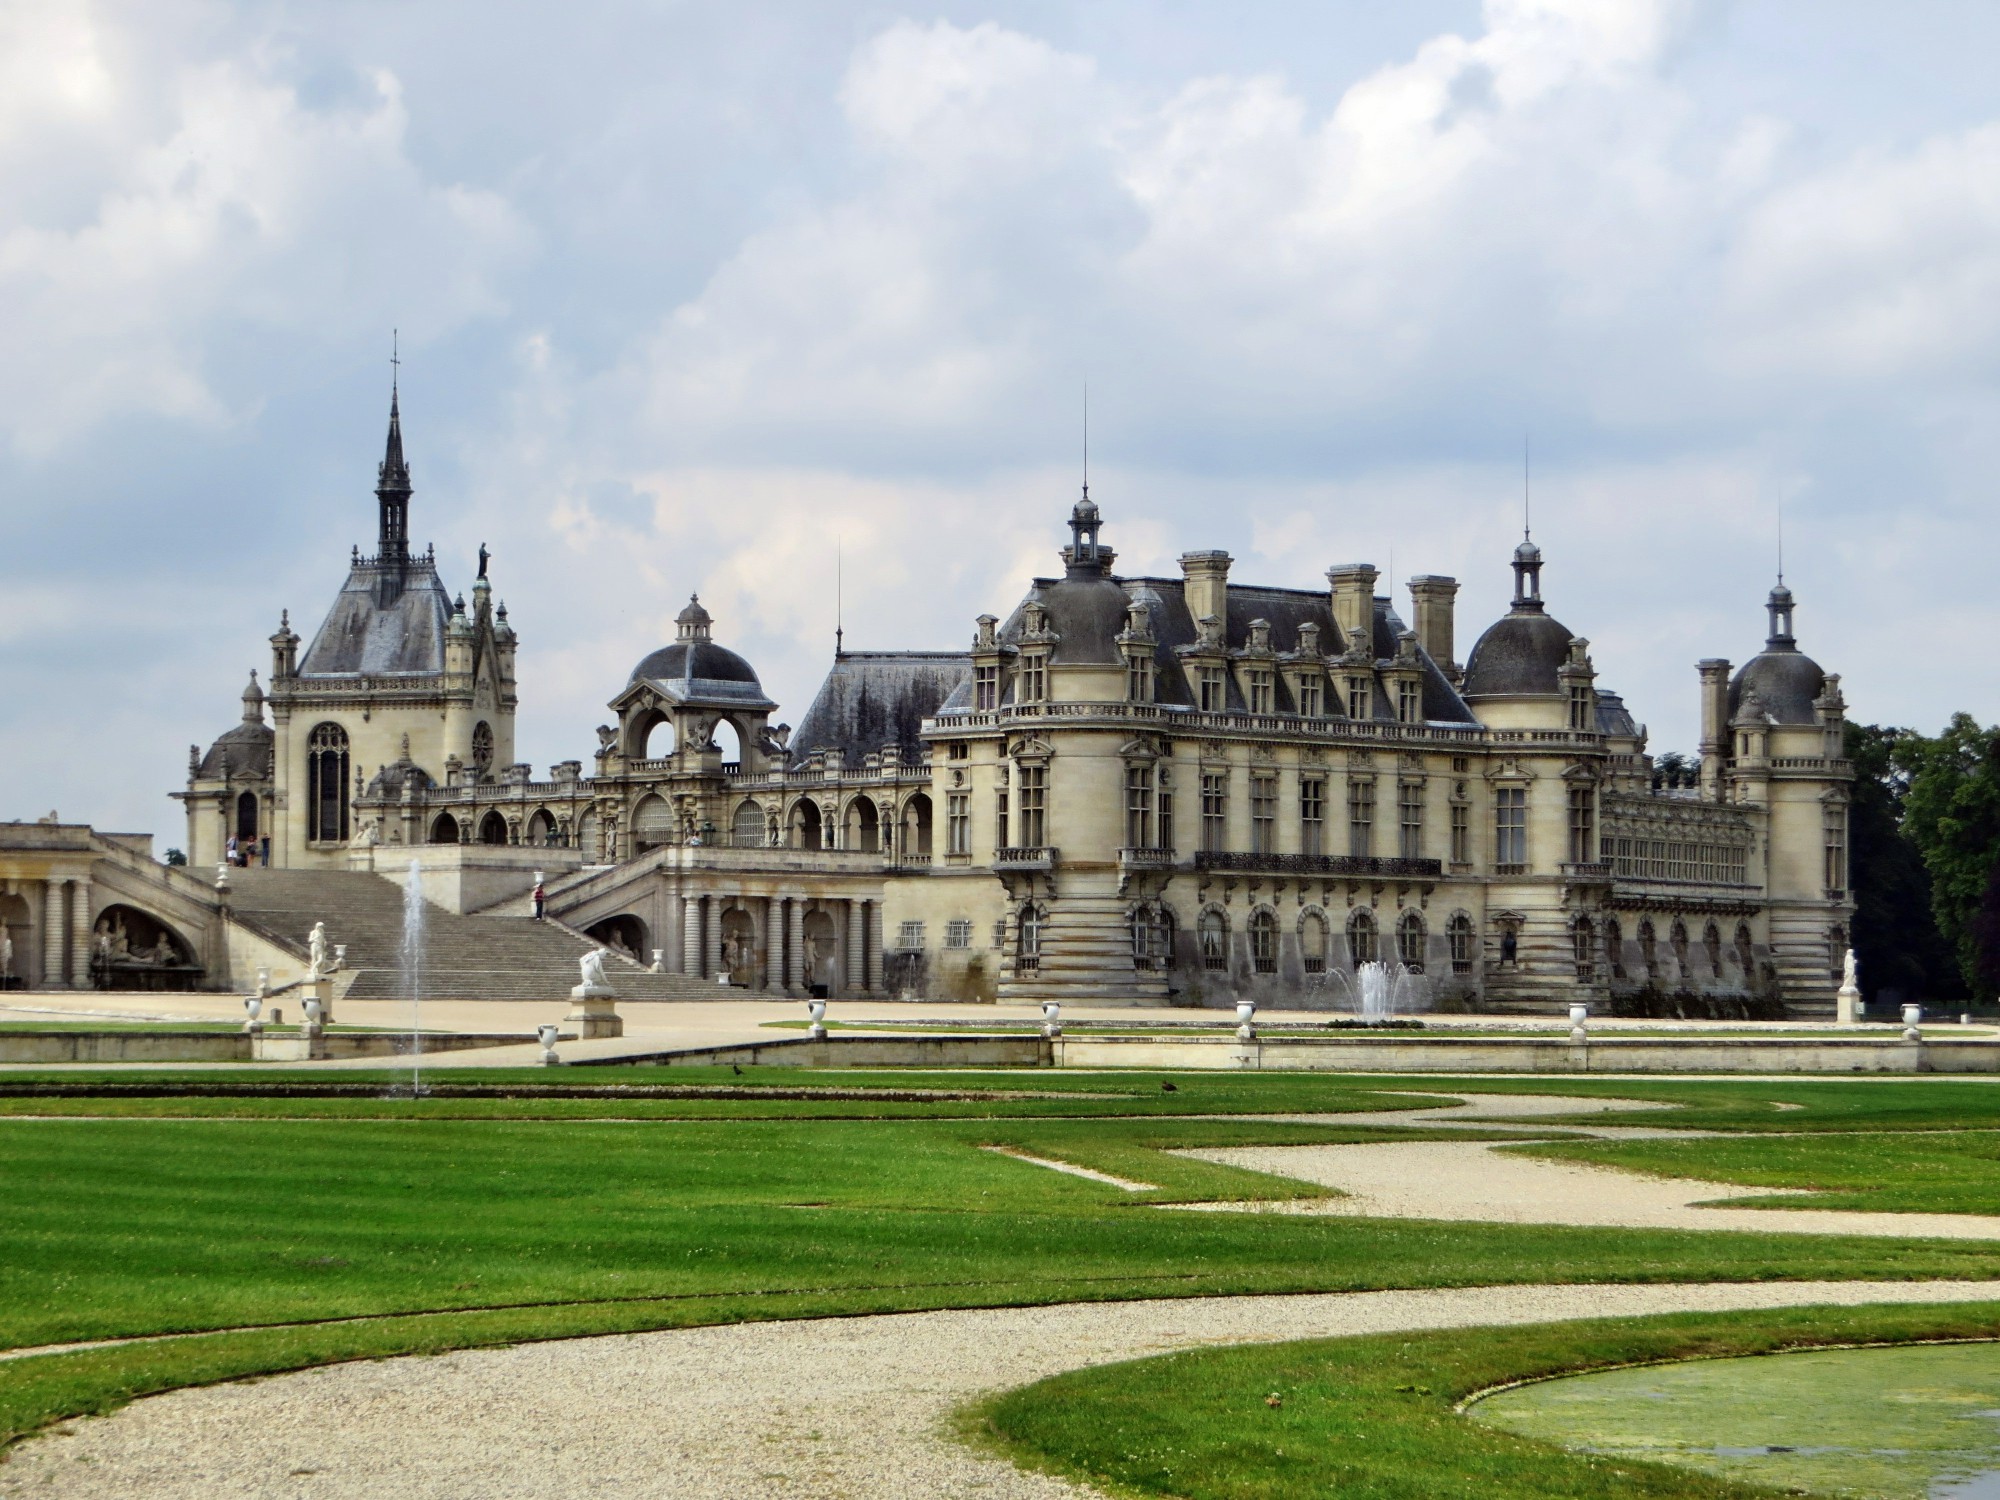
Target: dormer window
column 1580, row 714
column 1410, row 701
column 1139, row 679
column 1034, row 677
column 1214, row 690
column 1261, row 693
column 1311, row 697
column 1358, row 704
column 986, row 688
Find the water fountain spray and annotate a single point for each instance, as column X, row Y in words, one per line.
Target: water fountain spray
column 413, row 970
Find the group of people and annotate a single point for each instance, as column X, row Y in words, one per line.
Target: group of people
column 244, row 854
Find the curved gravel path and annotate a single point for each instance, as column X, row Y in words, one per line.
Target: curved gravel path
column 842, row 1407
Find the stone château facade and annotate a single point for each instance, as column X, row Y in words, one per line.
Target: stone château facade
column 1181, row 790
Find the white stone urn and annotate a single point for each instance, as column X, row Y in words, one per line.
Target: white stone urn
column 546, row 1035
column 816, row 1020
column 1913, row 1016
column 254, row 1006
column 1052, row 1018
column 1579, row 1023
column 1245, row 1009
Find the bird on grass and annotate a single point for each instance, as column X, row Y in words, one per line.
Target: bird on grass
column 1167, row 1086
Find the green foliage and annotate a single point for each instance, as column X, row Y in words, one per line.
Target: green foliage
column 1895, row 935
column 1372, row 1418
column 174, row 857
column 1951, row 813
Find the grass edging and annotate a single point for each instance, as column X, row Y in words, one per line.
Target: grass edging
column 1381, row 1416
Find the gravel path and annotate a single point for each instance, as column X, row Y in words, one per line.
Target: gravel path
column 1479, row 1181
column 853, row 1408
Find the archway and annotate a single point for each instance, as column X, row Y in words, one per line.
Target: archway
column 444, row 829
column 864, row 826
column 917, row 825
column 132, row 949
column 728, row 740
column 746, row 828
column 493, row 829
column 246, row 817
column 652, row 824
column 822, row 954
column 16, row 923
column 806, row 830
column 624, row 934
column 541, row 829
column 1410, row 941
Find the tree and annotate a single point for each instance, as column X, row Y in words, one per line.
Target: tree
column 1674, row 769
column 175, row 857
column 1951, row 813
column 1895, row 933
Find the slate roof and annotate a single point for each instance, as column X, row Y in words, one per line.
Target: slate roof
column 873, row 698
column 1519, row 654
column 1785, row 680
column 244, row 751
column 388, row 620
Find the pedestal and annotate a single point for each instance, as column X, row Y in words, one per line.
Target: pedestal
column 1847, row 1006
column 593, row 1010
column 322, row 991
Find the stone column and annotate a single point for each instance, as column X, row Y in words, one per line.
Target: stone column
column 52, row 935
column 795, row 947
column 874, row 947
column 713, row 968
column 691, row 936
column 773, row 977
column 79, row 927
column 854, row 963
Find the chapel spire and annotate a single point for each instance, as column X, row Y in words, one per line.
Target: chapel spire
column 392, row 484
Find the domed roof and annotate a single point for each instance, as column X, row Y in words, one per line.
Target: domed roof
column 695, row 658
column 1785, row 680
column 1519, row 653
column 244, row 752
column 1085, row 613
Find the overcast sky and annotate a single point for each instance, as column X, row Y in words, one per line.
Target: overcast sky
column 694, row 296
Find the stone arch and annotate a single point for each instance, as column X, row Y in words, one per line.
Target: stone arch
column 738, row 930
column 1614, row 946
column 1649, row 948
column 624, row 933
column 917, row 824
column 1677, row 939
column 862, row 825
column 808, row 831
column 493, row 828
column 444, row 829
column 652, row 823
column 132, row 948
column 1212, row 938
column 1583, row 946
column 246, row 818
column 643, row 740
column 1315, row 938
column 1263, row 929
column 1746, row 952
column 1711, row 942
column 541, row 829
column 822, row 952
column 746, row 825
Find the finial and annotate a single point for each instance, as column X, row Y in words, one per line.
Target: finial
column 1527, row 530
column 1781, row 544
column 395, row 363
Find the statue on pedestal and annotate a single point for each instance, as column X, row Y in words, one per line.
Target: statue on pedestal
column 319, row 966
column 591, row 970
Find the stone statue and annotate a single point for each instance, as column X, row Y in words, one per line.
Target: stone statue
column 1848, row 977
column 365, row 836
column 316, row 947
column 484, row 555
column 6, row 955
column 590, row 969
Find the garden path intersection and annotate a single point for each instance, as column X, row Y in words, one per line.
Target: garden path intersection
column 863, row 1405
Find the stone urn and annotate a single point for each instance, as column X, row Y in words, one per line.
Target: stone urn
column 1579, row 1024
column 816, row 1020
column 1245, row 1031
column 1913, row 1016
column 546, row 1035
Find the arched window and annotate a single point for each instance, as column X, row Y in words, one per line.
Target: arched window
column 1677, row 936
column 542, row 829
column 746, row 829
column 1459, row 932
column 1746, row 952
column 1583, row 948
column 1711, row 939
column 917, row 825
column 326, row 783
column 246, row 816
column 1649, row 949
column 806, row 831
column 1410, row 942
column 1614, row 946
column 445, row 829
column 493, row 829
column 482, row 750
column 1361, row 944
column 1264, row 942
column 1312, row 942
column 1214, row 932
column 1028, row 944
column 652, row 824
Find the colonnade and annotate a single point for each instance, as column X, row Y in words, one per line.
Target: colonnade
column 61, row 955
column 780, row 940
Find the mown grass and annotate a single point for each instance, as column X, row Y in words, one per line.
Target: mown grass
column 1373, row 1418
column 1956, row 1173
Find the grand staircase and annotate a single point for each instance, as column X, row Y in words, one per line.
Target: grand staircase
column 476, row 957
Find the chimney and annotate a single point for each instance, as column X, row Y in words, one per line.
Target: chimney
column 1714, row 723
column 1353, row 586
column 1206, row 586
column 1432, row 597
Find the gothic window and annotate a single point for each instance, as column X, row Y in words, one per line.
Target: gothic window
column 1214, row 810
column 1361, row 936
column 1746, row 953
column 1261, row 694
column 1311, row 697
column 445, row 829
column 1142, row 930
column 1264, row 942
column 985, row 688
column 326, row 783
column 1510, row 830
column 1410, row 813
column 482, row 750
column 1312, row 815
column 957, row 825
column 1458, row 932
column 1214, row 931
column 1263, row 814
column 1582, row 826
column 1034, row 676
column 1214, row 690
column 246, row 817
column 1312, row 942
column 1139, row 807
column 1034, row 805
column 1361, row 818
column 1410, row 941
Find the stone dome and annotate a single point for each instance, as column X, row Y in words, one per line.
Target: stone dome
column 1785, row 681
column 1520, row 653
column 695, row 658
column 244, row 752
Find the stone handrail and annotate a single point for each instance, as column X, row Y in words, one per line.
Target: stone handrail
column 1319, row 864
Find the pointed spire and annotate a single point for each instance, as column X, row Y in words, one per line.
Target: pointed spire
column 392, row 478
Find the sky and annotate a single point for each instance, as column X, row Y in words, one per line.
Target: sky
column 733, row 298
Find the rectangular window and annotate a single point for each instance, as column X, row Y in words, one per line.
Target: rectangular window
column 1312, row 816
column 1705, row 859
column 1263, row 814
column 1461, row 834
column 1361, row 818
column 1214, row 690
column 1836, row 848
column 1166, row 818
column 1139, row 807
column 1582, row 826
column 1358, row 706
column 1410, row 701
column 960, row 750
column 1579, row 709
column 1034, row 677
column 957, row 823
column 1510, row 830
column 1410, row 818
column 1311, row 697
column 910, row 935
column 1034, row 782
column 1000, row 839
column 958, row 933
column 1739, row 865
column 985, row 688
column 1139, row 679
column 1214, row 810
column 1262, row 696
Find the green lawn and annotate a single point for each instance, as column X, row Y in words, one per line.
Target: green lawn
column 1373, row 1418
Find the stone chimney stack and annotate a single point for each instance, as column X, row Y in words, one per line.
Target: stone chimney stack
column 1432, row 598
column 1714, row 724
column 1207, row 585
column 1353, row 586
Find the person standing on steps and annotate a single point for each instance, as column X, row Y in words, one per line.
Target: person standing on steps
column 540, row 897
